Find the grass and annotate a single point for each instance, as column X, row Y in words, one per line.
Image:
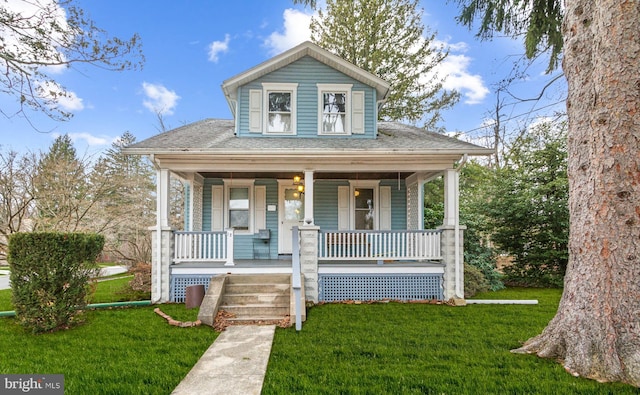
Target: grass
column 343, row 349
column 423, row 349
column 117, row 351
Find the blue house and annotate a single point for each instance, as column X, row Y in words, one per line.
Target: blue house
column 305, row 177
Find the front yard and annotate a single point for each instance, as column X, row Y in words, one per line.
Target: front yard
column 350, row 349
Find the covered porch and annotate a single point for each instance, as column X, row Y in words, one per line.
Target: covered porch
column 406, row 263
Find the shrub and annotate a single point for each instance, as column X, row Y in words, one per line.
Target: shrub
column 50, row 273
column 474, row 281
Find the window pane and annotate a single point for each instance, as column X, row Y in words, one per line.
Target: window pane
column 333, row 123
column 279, row 123
column 364, row 220
column 364, row 210
column 279, row 101
column 239, row 219
column 239, row 198
column 293, row 205
column 364, row 198
column 334, row 102
column 333, row 110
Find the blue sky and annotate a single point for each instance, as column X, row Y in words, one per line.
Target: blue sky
column 192, row 46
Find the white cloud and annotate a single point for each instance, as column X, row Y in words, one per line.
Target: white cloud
column 159, row 98
column 34, row 22
column 218, row 47
column 455, row 69
column 295, row 31
column 92, row 140
column 67, row 100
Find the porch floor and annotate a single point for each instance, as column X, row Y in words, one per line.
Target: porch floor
column 256, row 266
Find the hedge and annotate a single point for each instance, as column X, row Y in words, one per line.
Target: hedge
column 50, row 275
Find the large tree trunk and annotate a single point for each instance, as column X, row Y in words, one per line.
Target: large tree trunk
column 596, row 331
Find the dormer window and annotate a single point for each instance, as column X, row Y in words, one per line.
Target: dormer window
column 334, row 113
column 280, row 105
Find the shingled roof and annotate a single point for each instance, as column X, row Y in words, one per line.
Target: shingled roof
column 217, row 135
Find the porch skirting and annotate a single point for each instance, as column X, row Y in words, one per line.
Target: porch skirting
column 337, row 287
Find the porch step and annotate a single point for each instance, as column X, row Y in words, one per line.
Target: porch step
column 257, row 298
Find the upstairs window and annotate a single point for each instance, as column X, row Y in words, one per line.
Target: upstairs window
column 334, row 112
column 280, row 106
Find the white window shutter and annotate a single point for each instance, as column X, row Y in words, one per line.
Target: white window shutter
column 385, row 208
column 343, row 208
column 357, row 112
column 255, row 111
column 217, row 208
column 260, row 207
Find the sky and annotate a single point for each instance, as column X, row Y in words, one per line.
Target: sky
column 191, row 47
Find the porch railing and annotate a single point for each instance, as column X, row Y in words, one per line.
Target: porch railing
column 203, row 247
column 379, row 245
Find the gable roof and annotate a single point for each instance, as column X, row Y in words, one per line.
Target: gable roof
column 307, row 48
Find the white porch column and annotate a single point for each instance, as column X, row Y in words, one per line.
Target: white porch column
column 308, row 197
column 452, row 239
column 162, row 240
column 451, row 193
column 196, row 182
column 309, row 260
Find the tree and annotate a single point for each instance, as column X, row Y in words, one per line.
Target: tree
column 41, row 36
column 386, row 38
column 596, row 331
column 528, row 217
column 16, row 195
column 61, row 189
column 129, row 207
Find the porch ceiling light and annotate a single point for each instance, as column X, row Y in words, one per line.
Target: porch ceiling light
column 297, row 180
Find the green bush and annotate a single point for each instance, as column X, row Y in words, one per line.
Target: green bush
column 50, row 275
column 474, row 281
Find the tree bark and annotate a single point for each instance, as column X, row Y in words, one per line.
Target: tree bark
column 596, row 331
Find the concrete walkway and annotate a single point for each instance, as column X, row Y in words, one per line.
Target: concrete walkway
column 234, row 364
column 4, row 279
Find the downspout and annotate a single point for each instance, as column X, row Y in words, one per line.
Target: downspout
column 456, row 230
column 158, row 234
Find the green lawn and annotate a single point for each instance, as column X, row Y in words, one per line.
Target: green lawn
column 423, row 349
column 342, row 349
column 117, row 351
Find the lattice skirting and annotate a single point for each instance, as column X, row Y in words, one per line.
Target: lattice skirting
column 339, row 287
column 180, row 282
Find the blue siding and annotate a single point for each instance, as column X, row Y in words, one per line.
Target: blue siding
column 325, row 214
column 398, row 203
column 307, row 72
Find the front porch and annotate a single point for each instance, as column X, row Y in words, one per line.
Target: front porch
column 336, row 265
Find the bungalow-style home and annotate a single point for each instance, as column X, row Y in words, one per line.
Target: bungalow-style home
column 305, row 177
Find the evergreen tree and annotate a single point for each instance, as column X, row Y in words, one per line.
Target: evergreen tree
column 527, row 209
column 387, row 38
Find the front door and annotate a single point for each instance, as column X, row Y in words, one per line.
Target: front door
column 291, row 213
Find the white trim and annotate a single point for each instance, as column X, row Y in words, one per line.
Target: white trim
column 279, row 87
column 228, row 184
column 397, row 268
column 335, row 88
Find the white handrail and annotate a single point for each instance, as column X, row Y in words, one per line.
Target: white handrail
column 201, row 247
column 380, row 245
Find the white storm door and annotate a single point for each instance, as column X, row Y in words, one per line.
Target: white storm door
column 291, row 213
